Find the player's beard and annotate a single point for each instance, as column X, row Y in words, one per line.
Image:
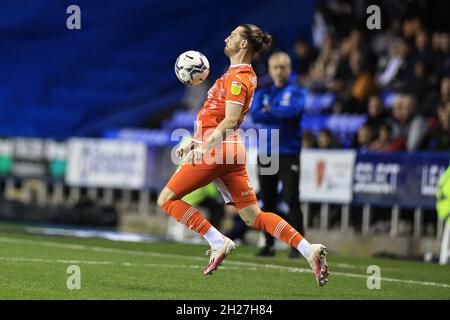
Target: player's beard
column 226, row 50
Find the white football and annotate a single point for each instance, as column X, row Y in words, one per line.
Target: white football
column 192, row 67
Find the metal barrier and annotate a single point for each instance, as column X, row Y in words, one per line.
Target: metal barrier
column 367, row 213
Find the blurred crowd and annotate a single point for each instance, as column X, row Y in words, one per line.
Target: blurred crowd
column 407, row 59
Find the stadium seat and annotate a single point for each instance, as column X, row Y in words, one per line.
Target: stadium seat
column 152, row 137
column 181, row 119
column 313, row 123
column 343, row 126
column 388, row 98
column 317, row 103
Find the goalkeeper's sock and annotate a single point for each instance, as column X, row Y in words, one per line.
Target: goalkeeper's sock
column 280, row 229
column 189, row 216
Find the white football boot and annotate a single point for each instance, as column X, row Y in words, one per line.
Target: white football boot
column 318, row 262
column 216, row 256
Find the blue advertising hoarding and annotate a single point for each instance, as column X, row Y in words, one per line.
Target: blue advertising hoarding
column 407, row 180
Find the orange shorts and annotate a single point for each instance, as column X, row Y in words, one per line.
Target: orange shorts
column 226, row 168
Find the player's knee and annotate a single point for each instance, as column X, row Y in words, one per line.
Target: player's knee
column 249, row 215
column 164, row 196
column 161, row 200
column 249, row 221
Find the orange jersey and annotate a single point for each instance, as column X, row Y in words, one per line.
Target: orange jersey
column 237, row 85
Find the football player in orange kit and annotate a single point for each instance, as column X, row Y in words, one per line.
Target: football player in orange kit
column 217, row 154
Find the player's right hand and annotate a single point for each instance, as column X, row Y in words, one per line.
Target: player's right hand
column 194, row 156
column 183, row 149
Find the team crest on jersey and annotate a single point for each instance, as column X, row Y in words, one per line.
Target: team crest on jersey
column 286, row 99
column 236, row 88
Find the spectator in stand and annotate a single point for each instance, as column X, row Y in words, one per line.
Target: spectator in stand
column 438, row 138
column 430, row 53
column 354, row 41
column 395, row 68
column 422, row 60
column 435, row 99
column 364, row 138
column 308, row 140
column 320, row 28
column 445, row 90
column 406, row 123
column 384, row 142
column 419, row 83
column 338, row 15
column 377, row 115
column 445, row 49
column 436, row 43
column 325, row 140
column 437, row 57
column 324, row 69
column 411, row 26
column 381, row 42
column 440, row 55
column 304, row 59
column 422, row 50
column 355, row 90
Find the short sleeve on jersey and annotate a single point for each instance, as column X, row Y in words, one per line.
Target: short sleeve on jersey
column 236, row 88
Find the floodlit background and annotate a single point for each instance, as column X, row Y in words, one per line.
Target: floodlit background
column 86, row 117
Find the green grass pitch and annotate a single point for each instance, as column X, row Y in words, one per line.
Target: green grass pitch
column 35, row 267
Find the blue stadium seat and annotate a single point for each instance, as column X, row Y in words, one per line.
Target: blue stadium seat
column 181, row 119
column 343, row 126
column 388, row 98
column 313, row 123
column 317, row 103
column 152, row 137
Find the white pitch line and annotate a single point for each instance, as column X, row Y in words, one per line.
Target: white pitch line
column 20, row 259
column 227, row 262
column 124, row 264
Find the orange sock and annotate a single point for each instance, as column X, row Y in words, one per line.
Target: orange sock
column 188, row 215
column 278, row 227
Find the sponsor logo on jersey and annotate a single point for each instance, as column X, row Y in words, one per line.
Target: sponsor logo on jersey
column 247, row 193
column 236, row 88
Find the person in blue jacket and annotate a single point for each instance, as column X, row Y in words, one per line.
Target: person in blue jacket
column 279, row 106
